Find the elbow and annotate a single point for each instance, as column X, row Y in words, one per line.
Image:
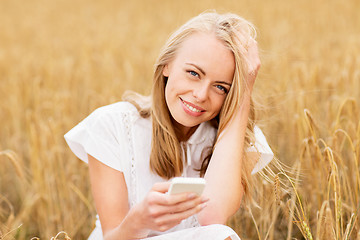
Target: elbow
column 211, row 216
column 217, row 213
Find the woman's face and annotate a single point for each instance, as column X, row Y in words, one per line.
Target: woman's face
column 199, row 78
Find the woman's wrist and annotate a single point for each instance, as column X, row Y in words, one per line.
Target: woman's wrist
column 247, row 94
column 130, row 228
column 135, row 225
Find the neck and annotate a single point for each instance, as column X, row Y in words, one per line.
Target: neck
column 183, row 133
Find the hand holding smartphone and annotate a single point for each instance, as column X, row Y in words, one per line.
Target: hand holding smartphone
column 182, row 184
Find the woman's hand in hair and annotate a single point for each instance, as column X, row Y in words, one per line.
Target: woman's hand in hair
column 160, row 211
column 253, row 63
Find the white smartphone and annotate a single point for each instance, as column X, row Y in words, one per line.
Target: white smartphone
column 182, row 184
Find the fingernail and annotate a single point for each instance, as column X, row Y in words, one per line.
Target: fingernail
column 191, row 196
column 204, row 199
column 203, row 205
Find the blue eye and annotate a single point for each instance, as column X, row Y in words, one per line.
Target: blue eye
column 195, row 74
column 222, row 88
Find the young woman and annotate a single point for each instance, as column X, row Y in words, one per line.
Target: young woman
column 198, row 122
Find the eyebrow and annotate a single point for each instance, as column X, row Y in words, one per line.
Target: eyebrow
column 229, row 84
column 203, row 72
column 200, row 69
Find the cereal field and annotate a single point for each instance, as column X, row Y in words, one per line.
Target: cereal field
column 61, row 59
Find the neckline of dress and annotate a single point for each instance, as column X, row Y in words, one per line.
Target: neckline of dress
column 199, row 135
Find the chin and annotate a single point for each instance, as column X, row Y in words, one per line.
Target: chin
column 186, row 122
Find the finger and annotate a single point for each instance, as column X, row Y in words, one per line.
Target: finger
column 162, row 187
column 169, row 200
column 185, row 214
column 182, row 206
column 253, row 51
column 168, row 221
column 253, row 58
column 251, row 43
column 187, row 205
column 159, row 198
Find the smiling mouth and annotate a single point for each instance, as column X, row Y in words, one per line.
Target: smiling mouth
column 191, row 108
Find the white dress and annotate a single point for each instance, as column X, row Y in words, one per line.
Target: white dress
column 119, row 137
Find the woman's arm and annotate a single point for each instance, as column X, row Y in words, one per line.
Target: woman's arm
column 223, row 175
column 158, row 211
column 110, row 195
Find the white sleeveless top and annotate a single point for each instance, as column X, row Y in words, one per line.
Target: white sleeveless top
column 120, row 138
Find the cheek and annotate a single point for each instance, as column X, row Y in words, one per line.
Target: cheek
column 167, row 94
column 218, row 103
column 170, row 91
column 171, row 88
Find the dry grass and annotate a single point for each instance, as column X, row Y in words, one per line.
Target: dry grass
column 59, row 60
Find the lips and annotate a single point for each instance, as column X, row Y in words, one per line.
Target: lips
column 192, row 107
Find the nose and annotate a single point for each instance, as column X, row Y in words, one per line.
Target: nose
column 201, row 92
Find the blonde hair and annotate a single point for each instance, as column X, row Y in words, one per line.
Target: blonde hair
column 235, row 32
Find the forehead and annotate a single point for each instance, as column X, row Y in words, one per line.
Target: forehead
column 209, row 53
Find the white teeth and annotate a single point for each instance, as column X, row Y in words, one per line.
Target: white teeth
column 191, row 108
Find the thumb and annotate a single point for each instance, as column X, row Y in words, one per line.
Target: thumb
column 162, row 187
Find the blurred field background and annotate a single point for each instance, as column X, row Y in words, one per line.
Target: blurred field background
column 61, row 59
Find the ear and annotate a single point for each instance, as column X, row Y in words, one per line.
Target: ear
column 166, row 70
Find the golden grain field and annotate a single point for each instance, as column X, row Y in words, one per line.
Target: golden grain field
column 61, row 59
